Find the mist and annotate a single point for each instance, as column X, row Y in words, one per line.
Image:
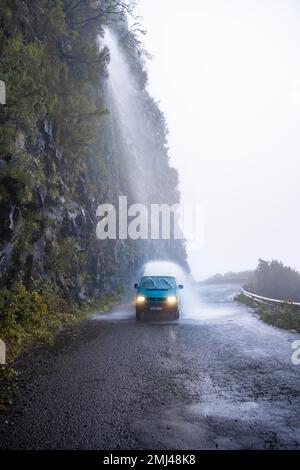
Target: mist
column 190, row 302
column 227, row 75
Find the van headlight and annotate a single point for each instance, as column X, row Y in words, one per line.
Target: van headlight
column 172, row 299
column 140, row 299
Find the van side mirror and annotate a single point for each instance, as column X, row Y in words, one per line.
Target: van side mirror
column 180, row 286
column 135, row 286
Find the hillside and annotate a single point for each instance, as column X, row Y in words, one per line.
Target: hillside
column 66, row 147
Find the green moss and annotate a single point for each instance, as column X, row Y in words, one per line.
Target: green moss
column 43, row 79
column 22, row 70
column 18, row 177
column 66, row 253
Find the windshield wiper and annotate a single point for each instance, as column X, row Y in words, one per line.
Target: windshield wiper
column 167, row 282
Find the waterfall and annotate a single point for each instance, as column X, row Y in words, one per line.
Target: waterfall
column 139, row 163
column 128, row 120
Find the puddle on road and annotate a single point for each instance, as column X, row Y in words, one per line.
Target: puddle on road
column 118, row 314
column 218, row 424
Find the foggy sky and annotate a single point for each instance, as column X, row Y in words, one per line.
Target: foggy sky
column 227, row 75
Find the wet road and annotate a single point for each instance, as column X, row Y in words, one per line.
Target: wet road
column 217, row 378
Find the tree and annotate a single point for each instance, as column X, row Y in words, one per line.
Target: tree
column 275, row 280
column 80, row 13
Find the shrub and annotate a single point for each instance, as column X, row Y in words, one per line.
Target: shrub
column 27, row 316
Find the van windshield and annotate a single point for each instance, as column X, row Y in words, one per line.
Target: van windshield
column 158, row 283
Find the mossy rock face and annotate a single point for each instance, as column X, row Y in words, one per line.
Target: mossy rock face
column 14, row 187
column 59, row 158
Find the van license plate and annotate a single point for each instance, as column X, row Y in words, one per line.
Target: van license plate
column 155, row 308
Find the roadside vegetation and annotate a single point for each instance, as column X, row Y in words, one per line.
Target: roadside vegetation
column 286, row 317
column 29, row 316
column 275, row 280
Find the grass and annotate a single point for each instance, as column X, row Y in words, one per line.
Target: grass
column 283, row 316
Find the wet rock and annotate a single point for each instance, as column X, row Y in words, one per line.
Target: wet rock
column 58, row 154
column 61, row 186
column 5, row 257
column 42, row 194
column 74, row 282
column 61, row 280
column 20, row 141
column 65, row 46
column 13, row 187
column 80, row 244
column 82, row 296
column 13, row 216
column 38, row 145
column 8, row 215
column 38, row 255
column 9, row 158
column 119, row 249
column 75, row 215
column 49, row 234
column 48, row 129
column 81, row 184
column 55, row 214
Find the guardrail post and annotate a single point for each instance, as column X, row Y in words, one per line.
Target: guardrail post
column 2, row 352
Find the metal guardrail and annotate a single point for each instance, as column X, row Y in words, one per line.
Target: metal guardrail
column 267, row 300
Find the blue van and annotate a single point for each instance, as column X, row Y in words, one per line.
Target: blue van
column 157, row 296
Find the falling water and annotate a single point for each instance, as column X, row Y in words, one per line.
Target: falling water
column 129, row 125
column 194, row 302
column 128, row 119
column 189, row 297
